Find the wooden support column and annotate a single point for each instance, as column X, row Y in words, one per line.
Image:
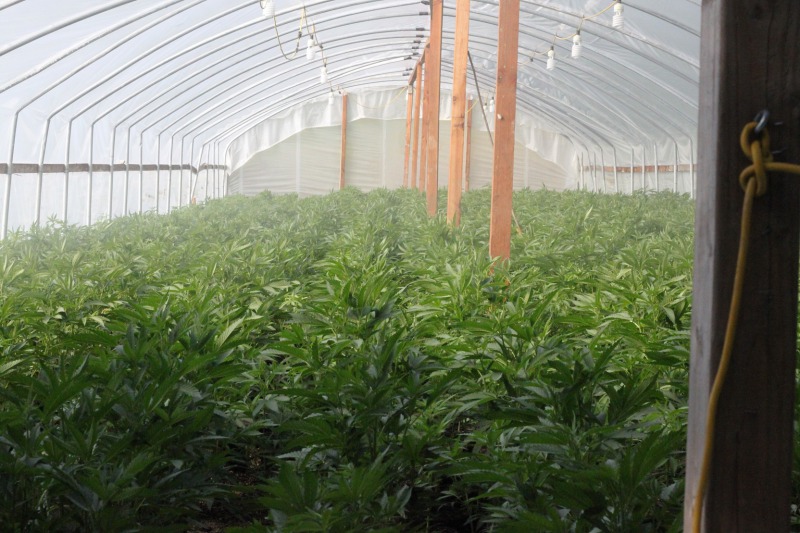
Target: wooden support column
column 344, row 142
column 423, row 161
column 468, row 148
column 417, row 107
column 747, row 58
column 505, row 119
column 433, row 60
column 456, row 177
column 409, row 118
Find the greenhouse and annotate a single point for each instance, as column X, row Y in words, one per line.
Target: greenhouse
column 395, row 265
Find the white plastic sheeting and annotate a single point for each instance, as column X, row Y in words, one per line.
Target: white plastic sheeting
column 299, row 150
column 193, row 89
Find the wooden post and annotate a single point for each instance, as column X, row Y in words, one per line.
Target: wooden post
column 434, row 61
column 415, row 151
column 344, row 141
column 423, row 161
column 505, row 119
column 409, row 111
column 456, row 177
column 468, row 149
column 746, row 58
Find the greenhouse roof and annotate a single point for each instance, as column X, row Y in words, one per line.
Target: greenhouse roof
column 185, row 81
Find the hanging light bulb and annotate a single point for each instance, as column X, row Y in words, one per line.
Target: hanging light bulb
column 551, row 59
column 618, row 21
column 323, row 75
column 576, row 45
column 310, row 51
column 491, row 105
column 331, row 98
column 268, row 8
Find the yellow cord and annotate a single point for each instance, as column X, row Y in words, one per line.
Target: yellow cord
column 754, row 181
column 299, row 35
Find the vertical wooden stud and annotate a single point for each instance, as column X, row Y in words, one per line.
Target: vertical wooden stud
column 344, row 142
column 409, row 118
column 433, row 60
column 416, row 126
column 468, row 148
column 456, row 177
column 745, row 56
column 426, row 115
column 505, row 119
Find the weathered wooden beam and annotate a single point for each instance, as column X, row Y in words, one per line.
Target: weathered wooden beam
column 433, row 76
column 748, row 53
column 417, row 109
column 409, row 118
column 468, row 148
column 505, row 119
column 455, row 182
column 343, row 157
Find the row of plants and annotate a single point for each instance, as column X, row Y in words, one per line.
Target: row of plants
column 347, row 363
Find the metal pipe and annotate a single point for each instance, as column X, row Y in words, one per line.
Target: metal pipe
column 632, row 175
column 82, row 44
column 41, row 175
column 603, row 168
column 55, row 27
column 113, row 153
column 691, row 166
column 675, row 168
column 616, row 178
column 141, row 175
column 655, row 156
column 644, row 169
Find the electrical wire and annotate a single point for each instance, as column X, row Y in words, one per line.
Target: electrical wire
column 299, row 35
column 754, row 181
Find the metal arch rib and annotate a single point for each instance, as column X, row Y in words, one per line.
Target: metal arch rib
column 69, row 22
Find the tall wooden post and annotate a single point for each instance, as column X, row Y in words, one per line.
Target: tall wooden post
column 468, row 149
column 505, row 119
column 417, row 107
column 748, row 53
column 459, row 107
column 344, row 141
column 426, row 120
column 434, row 61
column 409, row 118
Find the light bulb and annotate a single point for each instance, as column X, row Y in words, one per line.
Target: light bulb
column 268, row 8
column 331, row 98
column 551, row 59
column 618, row 21
column 323, row 75
column 491, row 105
column 576, row 46
column 310, row 52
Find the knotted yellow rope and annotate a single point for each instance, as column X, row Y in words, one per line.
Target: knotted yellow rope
column 753, row 180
